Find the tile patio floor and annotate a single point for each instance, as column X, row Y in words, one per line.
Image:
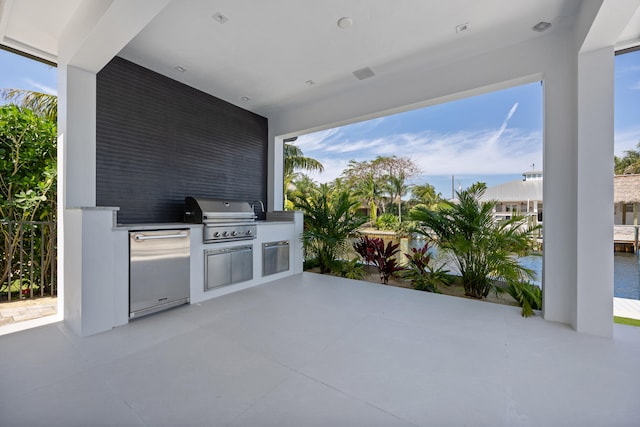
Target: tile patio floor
column 314, row 350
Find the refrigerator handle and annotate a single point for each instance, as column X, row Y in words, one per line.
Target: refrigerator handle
column 141, row 237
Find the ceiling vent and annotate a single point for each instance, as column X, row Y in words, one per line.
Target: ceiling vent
column 364, row 73
column 541, row 26
column 462, row 27
column 220, row 18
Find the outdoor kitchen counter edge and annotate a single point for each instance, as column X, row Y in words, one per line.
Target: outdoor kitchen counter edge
column 155, row 226
column 178, row 225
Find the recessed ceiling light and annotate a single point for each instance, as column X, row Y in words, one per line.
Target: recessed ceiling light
column 462, row 27
column 180, row 68
column 220, row 18
column 541, row 26
column 364, row 73
column 345, row 23
column 246, row 98
column 309, row 82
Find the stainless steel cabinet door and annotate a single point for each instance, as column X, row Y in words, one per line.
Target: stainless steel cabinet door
column 275, row 257
column 158, row 269
column 242, row 264
column 228, row 266
column 218, row 269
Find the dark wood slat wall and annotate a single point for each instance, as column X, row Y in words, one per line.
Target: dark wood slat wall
column 158, row 141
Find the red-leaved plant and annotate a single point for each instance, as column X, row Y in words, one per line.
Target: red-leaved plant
column 422, row 274
column 373, row 251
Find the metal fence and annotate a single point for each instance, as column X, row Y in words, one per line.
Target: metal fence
column 28, row 266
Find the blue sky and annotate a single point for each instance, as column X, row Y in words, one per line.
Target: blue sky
column 18, row 72
column 491, row 138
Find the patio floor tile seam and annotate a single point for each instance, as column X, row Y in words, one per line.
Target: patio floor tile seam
column 348, row 395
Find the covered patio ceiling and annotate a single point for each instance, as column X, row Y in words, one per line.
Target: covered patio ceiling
column 268, row 56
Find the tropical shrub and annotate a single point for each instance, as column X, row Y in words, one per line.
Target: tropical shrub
column 352, row 269
column 387, row 221
column 310, row 263
column 27, row 193
column 374, row 251
column 528, row 295
column 482, row 249
column 424, row 276
column 27, row 164
column 329, row 223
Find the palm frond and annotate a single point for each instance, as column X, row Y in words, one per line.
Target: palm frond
column 43, row 104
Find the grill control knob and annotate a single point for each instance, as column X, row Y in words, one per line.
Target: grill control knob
column 234, row 233
column 225, row 234
column 249, row 233
column 216, row 234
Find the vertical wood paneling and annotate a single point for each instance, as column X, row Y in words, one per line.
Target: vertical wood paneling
column 158, row 141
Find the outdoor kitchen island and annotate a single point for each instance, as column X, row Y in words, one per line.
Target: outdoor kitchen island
column 278, row 227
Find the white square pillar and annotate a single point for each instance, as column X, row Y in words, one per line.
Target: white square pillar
column 559, row 273
column 594, row 310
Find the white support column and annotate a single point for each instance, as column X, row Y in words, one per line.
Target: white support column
column 95, row 34
column 594, row 311
column 77, row 133
column 76, row 186
column 560, row 188
column 275, row 173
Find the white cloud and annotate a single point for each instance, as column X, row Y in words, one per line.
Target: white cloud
column 503, row 127
column 483, row 152
column 458, row 153
column 333, row 168
column 626, row 139
column 464, row 152
column 40, row 87
column 358, row 146
column 470, row 152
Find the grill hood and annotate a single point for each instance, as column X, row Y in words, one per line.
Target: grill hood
column 202, row 211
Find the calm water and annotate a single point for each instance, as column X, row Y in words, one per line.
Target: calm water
column 626, row 268
column 626, row 273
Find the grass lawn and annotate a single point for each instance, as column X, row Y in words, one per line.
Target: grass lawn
column 626, row 321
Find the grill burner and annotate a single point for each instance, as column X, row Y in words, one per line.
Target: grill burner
column 223, row 220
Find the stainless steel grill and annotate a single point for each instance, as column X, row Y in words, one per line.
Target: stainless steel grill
column 224, row 220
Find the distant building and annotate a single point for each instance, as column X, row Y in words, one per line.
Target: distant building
column 520, row 197
column 626, row 197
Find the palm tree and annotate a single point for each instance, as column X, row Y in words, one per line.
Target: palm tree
column 398, row 189
column 304, row 184
column 42, row 104
column 294, row 160
column 368, row 190
column 481, row 248
column 425, row 194
column 364, row 180
column 301, row 185
column 328, row 224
